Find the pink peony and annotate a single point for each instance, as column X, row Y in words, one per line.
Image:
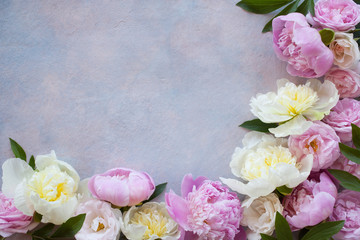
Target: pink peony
column 342, row 163
column 347, row 207
column 122, row 186
column 12, row 220
column 339, row 15
column 206, row 210
column 300, row 45
column 321, row 141
column 311, row 202
column 345, row 112
column 346, row 81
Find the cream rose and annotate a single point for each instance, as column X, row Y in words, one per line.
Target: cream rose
column 265, row 163
column 259, row 217
column 51, row 190
column 150, row 221
column 345, row 50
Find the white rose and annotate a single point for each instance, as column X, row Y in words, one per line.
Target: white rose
column 345, row 50
column 265, row 163
column 102, row 222
column 150, row 221
column 293, row 106
column 50, row 190
column 259, row 217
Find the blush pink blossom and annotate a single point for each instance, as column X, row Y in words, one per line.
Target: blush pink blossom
column 339, row 15
column 206, row 210
column 347, row 81
column 311, row 202
column 122, row 186
column 321, row 141
column 12, row 220
column 300, row 45
column 345, row 112
column 347, row 207
column 342, row 163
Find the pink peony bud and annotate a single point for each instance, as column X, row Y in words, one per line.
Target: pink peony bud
column 12, row 220
column 311, row 202
column 122, row 186
column 345, row 112
column 321, row 141
column 206, row 210
column 347, row 207
column 300, row 45
column 346, row 81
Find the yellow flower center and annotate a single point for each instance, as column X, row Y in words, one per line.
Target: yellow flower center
column 52, row 184
column 258, row 162
column 154, row 220
column 297, row 99
column 98, row 224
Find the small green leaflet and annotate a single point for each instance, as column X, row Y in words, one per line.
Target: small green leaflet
column 306, row 6
column 44, row 231
column 17, row 150
column 350, row 153
column 323, row 230
column 158, row 190
column 32, row 162
column 258, row 125
column 346, row 179
column 284, row 190
column 327, row 36
column 37, row 217
column 355, row 135
column 262, row 6
column 266, row 237
column 70, row 227
column 282, row 228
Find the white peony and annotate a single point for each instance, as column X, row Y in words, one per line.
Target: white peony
column 265, row 163
column 345, row 50
column 50, row 190
column 292, row 106
column 150, row 221
column 259, row 217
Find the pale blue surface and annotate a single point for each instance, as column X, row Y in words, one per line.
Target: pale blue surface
column 159, row 86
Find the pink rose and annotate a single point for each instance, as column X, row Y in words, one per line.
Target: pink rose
column 206, row 210
column 321, row 141
column 339, row 15
column 345, row 112
column 300, row 45
column 122, row 186
column 347, row 207
column 12, row 220
column 346, row 81
column 311, row 202
column 342, row 163
column 102, row 222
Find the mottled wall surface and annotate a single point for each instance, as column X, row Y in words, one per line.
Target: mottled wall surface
column 156, row 85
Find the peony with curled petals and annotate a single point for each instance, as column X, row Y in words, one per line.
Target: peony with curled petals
column 345, row 50
column 347, row 81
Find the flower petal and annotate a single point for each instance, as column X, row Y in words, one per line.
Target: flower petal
column 297, row 125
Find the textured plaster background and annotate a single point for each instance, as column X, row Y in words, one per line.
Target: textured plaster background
column 159, row 85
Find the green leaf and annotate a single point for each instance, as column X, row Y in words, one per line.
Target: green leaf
column 288, row 9
column 258, row 125
column 350, row 153
column 17, row 150
column 266, row 237
column 32, row 162
column 327, row 36
column 355, row 135
column 282, row 228
column 262, row 6
column 324, row 231
column 305, row 7
column 158, row 190
column 70, row 227
column 44, row 231
column 37, row 217
column 346, row 179
column 284, row 190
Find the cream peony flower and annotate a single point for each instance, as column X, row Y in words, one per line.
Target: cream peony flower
column 345, row 50
column 50, row 190
column 265, row 163
column 259, row 217
column 150, row 221
column 293, row 105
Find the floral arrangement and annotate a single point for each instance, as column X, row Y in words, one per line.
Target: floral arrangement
column 298, row 167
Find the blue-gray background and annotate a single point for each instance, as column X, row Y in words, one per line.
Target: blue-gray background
column 159, row 85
